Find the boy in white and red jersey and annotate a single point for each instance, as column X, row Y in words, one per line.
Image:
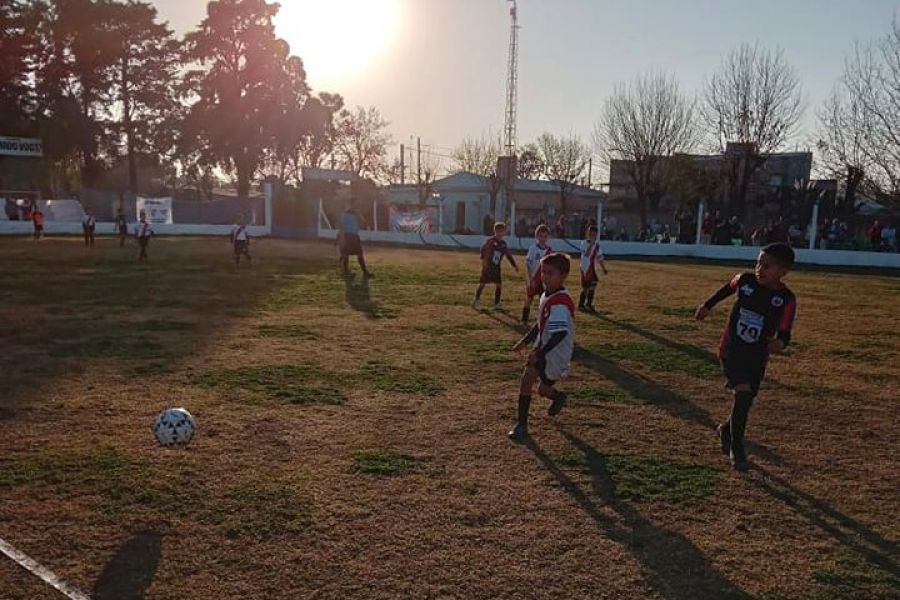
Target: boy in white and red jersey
column 534, row 287
column 143, row 232
column 554, row 339
column 590, row 256
column 240, row 239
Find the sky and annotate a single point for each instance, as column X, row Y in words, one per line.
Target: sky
column 436, row 69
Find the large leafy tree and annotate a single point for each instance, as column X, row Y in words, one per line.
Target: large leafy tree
column 245, row 81
column 143, row 80
column 16, row 39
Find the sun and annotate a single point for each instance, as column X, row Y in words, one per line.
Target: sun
column 338, row 39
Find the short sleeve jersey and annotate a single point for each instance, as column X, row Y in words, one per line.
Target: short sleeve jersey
column 494, row 249
column 350, row 222
column 88, row 221
column 533, row 261
column 556, row 313
column 239, row 233
column 590, row 254
column 143, row 230
column 759, row 314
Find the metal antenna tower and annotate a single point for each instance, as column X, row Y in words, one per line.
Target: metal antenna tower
column 512, row 82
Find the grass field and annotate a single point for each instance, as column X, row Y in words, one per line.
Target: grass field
column 352, row 440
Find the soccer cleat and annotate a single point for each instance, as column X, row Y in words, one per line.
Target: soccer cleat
column 476, row 303
column 557, row 404
column 724, row 433
column 498, row 306
column 368, row 275
column 590, row 308
column 518, row 433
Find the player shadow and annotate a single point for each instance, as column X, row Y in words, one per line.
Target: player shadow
column 671, row 564
column 652, row 393
column 687, row 349
column 131, row 570
column 359, row 296
column 845, row 530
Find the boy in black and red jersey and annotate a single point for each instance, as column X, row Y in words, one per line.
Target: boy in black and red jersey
column 554, row 340
column 759, row 325
column 492, row 253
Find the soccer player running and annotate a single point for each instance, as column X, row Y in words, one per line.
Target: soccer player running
column 759, row 325
column 554, row 339
column 537, row 251
column 492, row 253
column 240, row 239
column 121, row 226
column 348, row 239
column 590, row 256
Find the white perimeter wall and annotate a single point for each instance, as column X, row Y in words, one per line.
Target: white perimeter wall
column 843, row 258
column 69, row 228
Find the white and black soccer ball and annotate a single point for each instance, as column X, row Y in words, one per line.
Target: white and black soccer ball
column 174, row 427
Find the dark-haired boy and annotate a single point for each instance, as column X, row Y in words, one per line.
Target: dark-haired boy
column 492, row 253
column 554, row 339
column 534, row 287
column 759, row 325
column 240, row 239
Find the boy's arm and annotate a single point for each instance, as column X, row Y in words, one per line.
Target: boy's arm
column 527, row 338
column 785, row 325
column 511, row 259
column 722, row 293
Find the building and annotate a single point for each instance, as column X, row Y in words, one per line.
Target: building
column 688, row 178
column 465, row 199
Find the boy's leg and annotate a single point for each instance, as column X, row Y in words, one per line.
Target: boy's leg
column 237, row 253
column 526, row 310
column 583, row 298
column 345, row 263
column 478, row 291
column 498, row 291
column 589, row 302
column 520, row 430
column 547, row 390
column 740, row 410
column 362, row 264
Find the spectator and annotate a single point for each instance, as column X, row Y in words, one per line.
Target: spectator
column 561, row 226
column 623, row 235
column 706, row 231
column 875, row 235
column 721, row 232
column 736, row 231
column 488, row 224
column 889, row 238
column 796, row 235
column 758, row 235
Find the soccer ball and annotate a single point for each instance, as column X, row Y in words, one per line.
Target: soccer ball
column 174, row 427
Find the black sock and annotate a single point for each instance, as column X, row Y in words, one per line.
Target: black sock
column 525, row 314
column 590, row 297
column 497, row 295
column 478, row 291
column 739, row 413
column 581, row 299
column 524, row 406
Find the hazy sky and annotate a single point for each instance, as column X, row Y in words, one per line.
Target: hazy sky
column 437, row 68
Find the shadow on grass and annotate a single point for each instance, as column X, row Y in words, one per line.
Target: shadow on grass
column 687, row 349
column 846, row 530
column 131, row 571
column 673, row 566
column 359, row 297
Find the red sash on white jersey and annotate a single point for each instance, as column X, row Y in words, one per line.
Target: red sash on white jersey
column 237, row 232
column 556, row 298
column 536, row 280
column 143, row 230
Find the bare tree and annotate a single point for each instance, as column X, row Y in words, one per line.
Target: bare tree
column 643, row 123
column 529, row 163
column 754, row 99
column 361, row 141
column 859, row 138
column 564, row 160
column 479, row 156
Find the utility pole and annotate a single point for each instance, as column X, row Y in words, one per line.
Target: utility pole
column 512, row 82
column 590, row 168
column 419, row 161
column 402, row 165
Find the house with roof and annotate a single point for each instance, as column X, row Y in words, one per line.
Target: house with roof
column 464, row 200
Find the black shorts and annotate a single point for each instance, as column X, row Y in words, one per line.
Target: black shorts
column 491, row 275
column 350, row 245
column 241, row 246
column 746, row 371
column 589, row 279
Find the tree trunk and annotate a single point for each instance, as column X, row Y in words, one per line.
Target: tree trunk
column 244, row 174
